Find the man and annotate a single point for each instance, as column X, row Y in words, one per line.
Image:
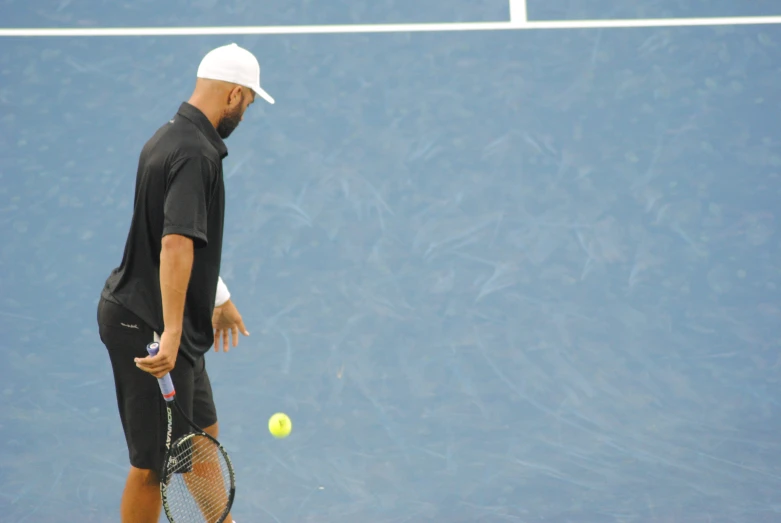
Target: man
column 167, row 285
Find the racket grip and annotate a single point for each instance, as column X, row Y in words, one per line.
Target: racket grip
column 166, row 385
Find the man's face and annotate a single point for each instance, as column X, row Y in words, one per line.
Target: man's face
column 238, row 102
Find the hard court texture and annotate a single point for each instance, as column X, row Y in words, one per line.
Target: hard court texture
column 492, row 276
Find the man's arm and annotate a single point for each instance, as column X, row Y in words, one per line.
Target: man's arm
column 185, row 211
column 176, row 263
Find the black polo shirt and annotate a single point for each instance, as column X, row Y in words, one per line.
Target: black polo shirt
column 179, row 190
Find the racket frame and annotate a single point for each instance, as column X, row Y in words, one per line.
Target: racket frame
column 170, row 399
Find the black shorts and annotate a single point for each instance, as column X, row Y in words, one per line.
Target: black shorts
column 141, row 405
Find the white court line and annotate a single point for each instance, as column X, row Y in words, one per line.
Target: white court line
column 518, row 11
column 389, row 28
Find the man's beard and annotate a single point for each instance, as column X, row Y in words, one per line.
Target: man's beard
column 229, row 122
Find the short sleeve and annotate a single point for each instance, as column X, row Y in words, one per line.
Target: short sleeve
column 187, row 199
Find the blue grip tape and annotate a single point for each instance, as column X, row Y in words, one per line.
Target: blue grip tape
column 166, row 385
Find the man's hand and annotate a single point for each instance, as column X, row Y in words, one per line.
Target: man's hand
column 227, row 321
column 164, row 361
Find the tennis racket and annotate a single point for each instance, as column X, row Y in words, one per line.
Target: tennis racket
column 197, row 482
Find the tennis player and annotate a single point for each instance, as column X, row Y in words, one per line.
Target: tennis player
column 168, row 285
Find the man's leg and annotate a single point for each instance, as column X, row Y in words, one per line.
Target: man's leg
column 204, row 410
column 141, row 409
column 213, row 430
column 141, row 498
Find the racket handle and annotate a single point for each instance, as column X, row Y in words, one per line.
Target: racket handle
column 166, row 385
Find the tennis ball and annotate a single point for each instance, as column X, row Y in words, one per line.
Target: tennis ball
column 280, row 425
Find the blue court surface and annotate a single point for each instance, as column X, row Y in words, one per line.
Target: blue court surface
column 492, row 276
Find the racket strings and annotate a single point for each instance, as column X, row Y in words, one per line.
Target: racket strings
column 198, row 481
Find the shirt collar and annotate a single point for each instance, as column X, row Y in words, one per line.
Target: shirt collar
column 203, row 124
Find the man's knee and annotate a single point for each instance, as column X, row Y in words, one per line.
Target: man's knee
column 144, row 477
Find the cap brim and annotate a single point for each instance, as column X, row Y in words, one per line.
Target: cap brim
column 263, row 94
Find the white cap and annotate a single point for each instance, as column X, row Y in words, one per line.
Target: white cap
column 233, row 64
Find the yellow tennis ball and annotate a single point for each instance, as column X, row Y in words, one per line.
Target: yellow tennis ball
column 280, row 425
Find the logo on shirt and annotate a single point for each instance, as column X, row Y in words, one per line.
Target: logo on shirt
column 129, row 326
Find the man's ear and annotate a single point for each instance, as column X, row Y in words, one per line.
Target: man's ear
column 235, row 95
